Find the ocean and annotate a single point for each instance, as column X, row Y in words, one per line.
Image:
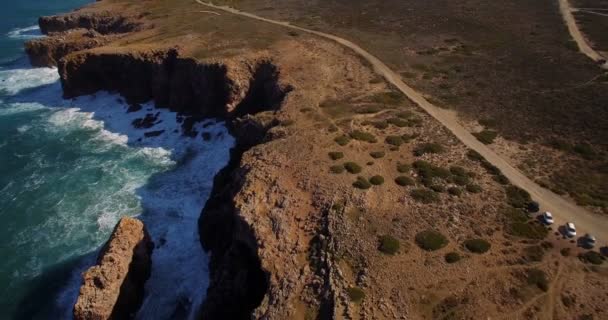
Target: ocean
column 69, row 169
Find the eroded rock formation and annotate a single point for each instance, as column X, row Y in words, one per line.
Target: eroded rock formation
column 114, row 287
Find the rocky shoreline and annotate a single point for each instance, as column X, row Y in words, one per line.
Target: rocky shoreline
column 197, row 90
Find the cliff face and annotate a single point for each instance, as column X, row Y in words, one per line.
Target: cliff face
column 104, row 22
column 47, row 51
column 114, row 288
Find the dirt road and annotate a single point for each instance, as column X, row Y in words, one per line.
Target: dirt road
column 577, row 35
column 563, row 210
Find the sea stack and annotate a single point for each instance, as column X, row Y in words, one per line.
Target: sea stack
column 114, row 287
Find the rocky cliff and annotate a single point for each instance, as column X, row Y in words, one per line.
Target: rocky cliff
column 114, row 287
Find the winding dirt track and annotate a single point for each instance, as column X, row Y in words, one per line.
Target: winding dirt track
column 563, row 210
column 577, row 35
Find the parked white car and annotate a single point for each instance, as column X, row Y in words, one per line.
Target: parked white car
column 548, row 217
column 570, row 230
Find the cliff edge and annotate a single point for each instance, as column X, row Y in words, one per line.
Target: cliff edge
column 114, row 287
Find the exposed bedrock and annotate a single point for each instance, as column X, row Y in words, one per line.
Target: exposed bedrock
column 47, row 51
column 114, row 287
column 103, row 22
column 181, row 84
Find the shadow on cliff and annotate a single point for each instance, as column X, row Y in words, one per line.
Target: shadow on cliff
column 172, row 200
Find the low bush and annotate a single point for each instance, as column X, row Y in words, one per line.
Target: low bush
column 363, row 136
column 389, row 245
column 430, row 240
column 377, row 154
column 538, row 278
column 429, row 171
column 398, row 122
column 500, row 178
column 428, row 148
column 342, row 140
column 490, row 168
column 405, row 114
column 437, row 188
column 362, row 183
column 452, row 257
column 336, row 155
column 473, row 188
column 376, row 180
column 424, row 195
column 534, row 253
column 474, row 155
column 461, row 180
column 337, row 169
column 403, row 167
column 389, row 98
column 585, row 150
column 394, row 140
column 528, row 230
column 454, row 191
column 458, row 171
column 352, row 167
column 486, row 136
column 477, row 245
column 408, row 137
column 380, row 124
column 565, row 252
column 355, row 294
column 592, row 257
column 404, row 181
column 370, row 163
column 517, row 197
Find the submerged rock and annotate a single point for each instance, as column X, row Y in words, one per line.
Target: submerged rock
column 114, row 288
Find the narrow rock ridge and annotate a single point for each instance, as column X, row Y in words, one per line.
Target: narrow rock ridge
column 104, row 22
column 114, row 287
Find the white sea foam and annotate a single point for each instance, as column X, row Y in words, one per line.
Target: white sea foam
column 31, row 32
column 15, row 108
column 13, row 81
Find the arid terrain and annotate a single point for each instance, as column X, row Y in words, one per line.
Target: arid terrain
column 345, row 199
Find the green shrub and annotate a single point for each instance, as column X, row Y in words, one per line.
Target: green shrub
column 337, row 169
column 473, row 188
column 390, row 98
column 437, row 188
column 454, row 191
column 367, row 109
column 363, row 136
column 405, row 114
column 377, row 154
column 389, row 245
column 362, row 183
column 370, row 163
column 428, row 148
column 486, row 136
column 452, row 257
column 398, row 122
column 537, row 278
column 429, row 171
column 500, row 178
column 585, row 150
column 458, row 171
column 474, row 155
column 408, row 137
column 404, row 181
column 424, row 195
column 534, row 253
column 394, row 140
column 430, row 240
column 352, row 167
column 564, row 252
column 342, row 140
column 376, row 180
column 403, row 167
column 461, row 180
column 528, row 230
column 336, row 155
column 477, row 245
column 517, row 197
column 592, row 257
column 355, row 294
column 490, row 168
column 380, row 124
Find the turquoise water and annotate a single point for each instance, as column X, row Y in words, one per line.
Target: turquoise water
column 70, row 169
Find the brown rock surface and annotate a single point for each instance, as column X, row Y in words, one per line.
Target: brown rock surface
column 47, row 51
column 113, row 289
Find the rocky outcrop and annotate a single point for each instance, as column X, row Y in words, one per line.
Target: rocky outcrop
column 47, row 51
column 104, row 22
column 181, row 84
column 114, row 288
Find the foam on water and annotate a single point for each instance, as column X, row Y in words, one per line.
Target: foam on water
column 115, row 170
column 13, row 81
column 31, row 32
